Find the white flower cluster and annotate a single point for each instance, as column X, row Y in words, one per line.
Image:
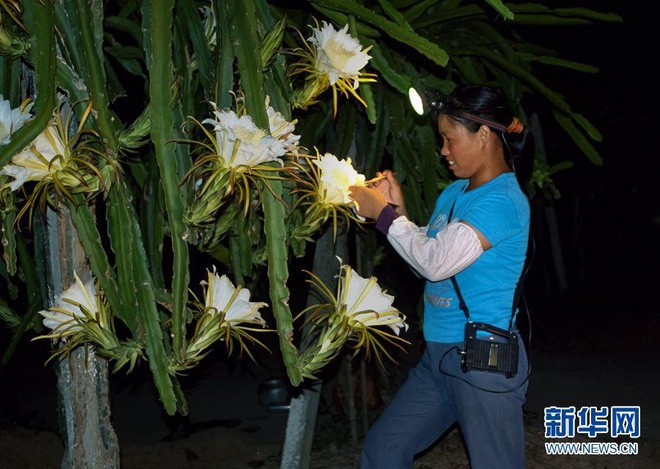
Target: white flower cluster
column 335, row 179
column 11, row 119
column 365, row 302
column 338, row 54
column 64, row 316
column 39, row 160
column 222, row 296
column 241, row 143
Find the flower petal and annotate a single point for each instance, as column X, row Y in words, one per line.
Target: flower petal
column 365, row 295
column 282, row 130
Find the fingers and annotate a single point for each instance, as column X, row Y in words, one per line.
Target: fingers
column 356, row 191
column 390, row 177
column 382, row 184
column 355, row 188
column 385, row 189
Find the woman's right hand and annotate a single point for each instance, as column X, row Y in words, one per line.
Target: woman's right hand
column 391, row 190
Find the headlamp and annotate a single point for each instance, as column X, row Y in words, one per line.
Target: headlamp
column 423, row 101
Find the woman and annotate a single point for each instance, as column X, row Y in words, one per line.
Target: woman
column 478, row 233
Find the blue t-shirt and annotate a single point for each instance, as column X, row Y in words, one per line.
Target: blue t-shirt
column 499, row 210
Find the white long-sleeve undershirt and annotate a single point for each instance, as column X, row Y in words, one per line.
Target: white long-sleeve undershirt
column 454, row 248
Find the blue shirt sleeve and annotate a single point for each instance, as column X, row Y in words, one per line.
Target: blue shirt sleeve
column 495, row 216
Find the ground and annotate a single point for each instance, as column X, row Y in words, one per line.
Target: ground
column 227, row 428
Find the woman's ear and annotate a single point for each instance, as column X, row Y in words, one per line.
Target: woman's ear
column 484, row 133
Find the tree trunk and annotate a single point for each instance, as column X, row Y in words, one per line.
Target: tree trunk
column 297, row 450
column 84, row 407
column 364, row 259
column 82, row 377
column 349, row 391
column 551, row 217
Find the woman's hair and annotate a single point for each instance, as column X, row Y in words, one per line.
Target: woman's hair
column 477, row 105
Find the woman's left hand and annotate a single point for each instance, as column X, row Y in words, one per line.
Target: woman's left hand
column 369, row 202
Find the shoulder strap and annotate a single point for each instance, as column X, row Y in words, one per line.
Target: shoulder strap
column 461, row 301
column 531, row 248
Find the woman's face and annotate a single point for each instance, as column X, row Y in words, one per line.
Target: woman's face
column 463, row 150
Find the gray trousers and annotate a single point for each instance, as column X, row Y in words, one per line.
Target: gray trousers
column 429, row 402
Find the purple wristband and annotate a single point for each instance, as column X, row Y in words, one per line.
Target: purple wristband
column 385, row 219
